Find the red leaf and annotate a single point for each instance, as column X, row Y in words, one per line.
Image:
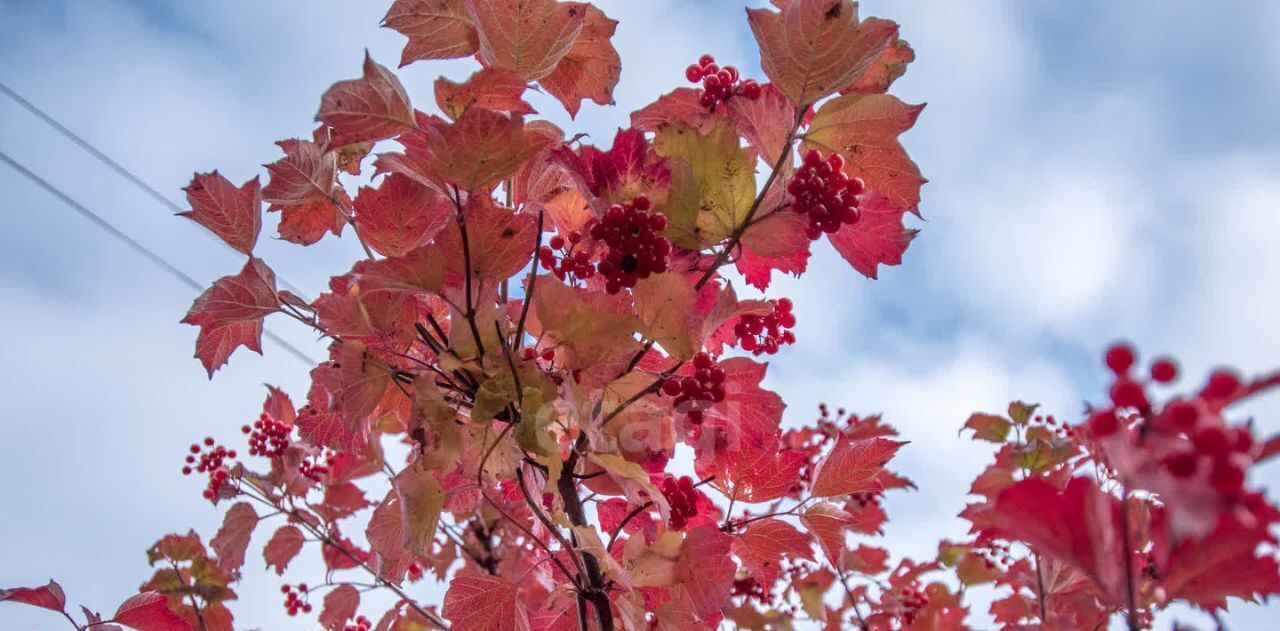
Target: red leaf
column 1079, row 526
column 828, row 523
column 765, row 543
column 764, row 122
column 230, row 313
column 437, row 29
column 340, row 605
column 484, row 603
column 370, row 108
column 1207, row 571
column 49, row 596
column 399, row 215
column 489, row 88
column 233, row 538
column 527, row 36
column 813, row 48
column 705, row 570
column 478, row 150
column 852, row 466
column 149, row 611
column 627, row 169
column 878, row 238
column 302, row 185
column 866, row 559
column 234, row 214
column 864, row 128
column 776, row 242
column 500, row 241
column 283, row 546
column 278, row 406
column 591, row 68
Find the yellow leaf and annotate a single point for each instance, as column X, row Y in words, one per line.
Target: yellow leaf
column 712, row 191
column 420, row 501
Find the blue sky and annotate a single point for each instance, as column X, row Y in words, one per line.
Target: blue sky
column 1099, row 170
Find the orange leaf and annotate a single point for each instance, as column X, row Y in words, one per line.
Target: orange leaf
column 592, row 67
column 230, row 313
column 813, row 48
column 437, row 29
column 527, row 36
column 370, row 108
column 864, row 128
column 490, row 88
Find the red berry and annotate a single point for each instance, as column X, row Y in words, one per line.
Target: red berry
column 1222, row 384
column 1182, row 464
column 706, row 60
column 1103, row 423
column 1211, row 440
column 693, row 73
column 1181, row 415
column 1129, row 393
column 1120, row 358
column 1164, row 370
column 1228, row 476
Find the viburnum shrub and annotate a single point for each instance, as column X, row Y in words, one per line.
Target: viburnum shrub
column 540, row 325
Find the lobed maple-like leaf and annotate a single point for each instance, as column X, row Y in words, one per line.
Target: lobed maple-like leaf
column 776, row 242
column 989, row 427
column 765, row 122
column 484, row 603
column 814, row 48
column 149, row 611
column 283, row 546
column 48, row 596
column 232, row 539
column 828, row 524
column 473, row 153
column 765, row 543
column 399, row 215
column 340, row 605
column 852, row 466
column 705, row 571
column 712, row 184
column 230, row 313
column 500, row 242
column 437, row 29
column 591, row 68
column 1079, row 525
column 302, row 187
column 234, row 214
column 496, row 89
column 864, row 128
column 420, row 502
column 678, row 106
column 527, row 36
column 1226, row 563
column 370, row 108
column 878, row 238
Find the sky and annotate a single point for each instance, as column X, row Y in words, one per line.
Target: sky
column 1098, row 170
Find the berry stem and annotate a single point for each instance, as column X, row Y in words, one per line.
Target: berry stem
column 783, row 156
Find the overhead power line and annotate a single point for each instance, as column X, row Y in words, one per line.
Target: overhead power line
column 120, row 169
column 136, row 246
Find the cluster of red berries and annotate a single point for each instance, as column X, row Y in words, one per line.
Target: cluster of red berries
column 994, row 555
column 361, row 623
column 764, row 334
column 211, row 462
column 750, row 589
column 635, row 247
column 824, row 193
column 719, row 84
column 268, row 437
column 910, row 601
column 294, row 598
column 1223, row 451
column 866, row 498
column 683, row 499
column 1061, row 429
column 696, row 393
column 571, row 263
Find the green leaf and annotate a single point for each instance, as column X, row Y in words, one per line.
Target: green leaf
column 989, row 427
